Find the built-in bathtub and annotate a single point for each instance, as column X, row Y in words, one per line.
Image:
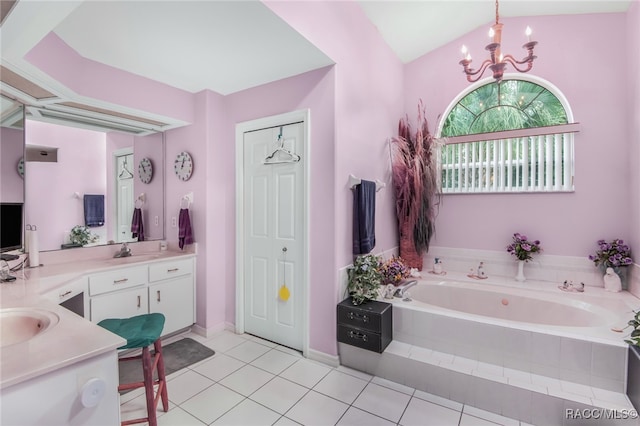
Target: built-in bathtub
column 528, row 351
column 541, row 330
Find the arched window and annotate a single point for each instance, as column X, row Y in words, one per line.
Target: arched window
column 516, row 136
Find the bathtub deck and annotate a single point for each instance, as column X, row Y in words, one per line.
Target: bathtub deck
column 517, row 394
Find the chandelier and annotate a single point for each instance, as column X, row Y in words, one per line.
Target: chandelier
column 497, row 61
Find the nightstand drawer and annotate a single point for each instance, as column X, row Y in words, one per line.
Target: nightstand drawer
column 361, row 338
column 367, row 316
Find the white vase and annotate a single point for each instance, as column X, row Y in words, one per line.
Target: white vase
column 520, row 277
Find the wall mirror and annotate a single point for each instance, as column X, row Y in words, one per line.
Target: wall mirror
column 72, row 169
column 11, row 173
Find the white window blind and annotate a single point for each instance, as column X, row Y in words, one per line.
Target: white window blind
column 510, row 162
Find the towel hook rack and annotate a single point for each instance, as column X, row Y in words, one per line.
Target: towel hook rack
column 353, row 181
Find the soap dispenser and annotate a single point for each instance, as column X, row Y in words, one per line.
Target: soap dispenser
column 437, row 266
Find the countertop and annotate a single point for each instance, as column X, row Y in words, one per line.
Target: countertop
column 73, row 338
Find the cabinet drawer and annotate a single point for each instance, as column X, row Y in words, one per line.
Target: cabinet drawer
column 170, row 269
column 117, row 280
column 364, row 339
column 372, row 316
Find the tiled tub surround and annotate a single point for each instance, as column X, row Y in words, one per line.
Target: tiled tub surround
column 529, row 370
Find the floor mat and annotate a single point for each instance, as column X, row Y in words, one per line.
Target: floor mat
column 177, row 355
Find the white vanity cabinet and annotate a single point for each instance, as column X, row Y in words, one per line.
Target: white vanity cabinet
column 171, row 292
column 121, row 304
column 119, row 293
column 166, row 287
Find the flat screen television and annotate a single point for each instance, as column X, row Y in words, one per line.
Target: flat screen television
column 11, row 228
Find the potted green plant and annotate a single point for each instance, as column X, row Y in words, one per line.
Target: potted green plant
column 364, row 278
column 82, row 236
column 634, row 337
column 415, row 183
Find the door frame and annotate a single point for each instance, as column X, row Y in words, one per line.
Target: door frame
column 116, row 153
column 258, row 124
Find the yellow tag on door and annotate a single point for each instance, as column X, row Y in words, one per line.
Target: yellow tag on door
column 284, row 293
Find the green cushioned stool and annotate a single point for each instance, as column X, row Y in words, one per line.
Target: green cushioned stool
column 141, row 332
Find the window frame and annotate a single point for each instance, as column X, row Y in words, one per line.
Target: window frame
column 564, row 131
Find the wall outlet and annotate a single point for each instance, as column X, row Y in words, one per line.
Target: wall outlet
column 156, row 220
column 174, row 222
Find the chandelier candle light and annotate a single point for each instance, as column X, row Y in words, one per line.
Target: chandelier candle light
column 497, row 61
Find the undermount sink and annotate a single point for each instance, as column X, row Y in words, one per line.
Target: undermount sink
column 135, row 258
column 19, row 325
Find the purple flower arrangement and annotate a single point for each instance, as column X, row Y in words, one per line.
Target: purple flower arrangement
column 612, row 254
column 522, row 248
column 394, row 270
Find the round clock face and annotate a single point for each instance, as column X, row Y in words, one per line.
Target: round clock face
column 145, row 170
column 183, row 165
column 21, row 167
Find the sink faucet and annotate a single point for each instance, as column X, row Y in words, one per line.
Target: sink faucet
column 402, row 288
column 125, row 251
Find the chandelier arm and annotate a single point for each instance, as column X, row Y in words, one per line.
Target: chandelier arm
column 470, row 72
column 514, row 63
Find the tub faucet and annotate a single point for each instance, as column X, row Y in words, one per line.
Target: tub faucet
column 402, row 288
column 125, row 251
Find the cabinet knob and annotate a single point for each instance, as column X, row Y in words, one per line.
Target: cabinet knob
column 66, row 293
column 123, row 280
column 139, row 301
column 172, row 270
column 158, row 295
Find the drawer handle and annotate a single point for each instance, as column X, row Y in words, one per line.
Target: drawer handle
column 66, row 293
column 123, row 280
column 358, row 335
column 173, row 270
column 358, row 317
column 138, row 301
column 158, row 295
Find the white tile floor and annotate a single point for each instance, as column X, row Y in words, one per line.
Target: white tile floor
column 250, row 381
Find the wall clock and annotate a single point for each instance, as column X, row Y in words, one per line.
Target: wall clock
column 183, row 166
column 145, row 170
column 21, row 167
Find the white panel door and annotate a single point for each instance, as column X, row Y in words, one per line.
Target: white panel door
column 274, row 236
column 125, row 198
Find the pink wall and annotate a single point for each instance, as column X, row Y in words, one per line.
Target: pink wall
column 95, row 80
column 11, row 150
column 150, row 147
column 570, row 56
column 195, row 140
column 633, row 121
column 81, row 168
column 368, row 103
column 313, row 90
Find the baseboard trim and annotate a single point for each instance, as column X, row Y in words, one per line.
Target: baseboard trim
column 330, row 360
column 211, row 331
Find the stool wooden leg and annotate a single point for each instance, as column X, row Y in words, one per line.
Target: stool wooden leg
column 147, row 369
column 161, row 376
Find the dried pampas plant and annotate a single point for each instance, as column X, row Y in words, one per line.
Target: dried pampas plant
column 415, row 179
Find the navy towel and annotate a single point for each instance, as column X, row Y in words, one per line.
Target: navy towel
column 364, row 217
column 184, row 228
column 93, row 210
column 137, row 228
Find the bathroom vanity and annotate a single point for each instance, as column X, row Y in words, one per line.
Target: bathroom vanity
column 64, row 370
